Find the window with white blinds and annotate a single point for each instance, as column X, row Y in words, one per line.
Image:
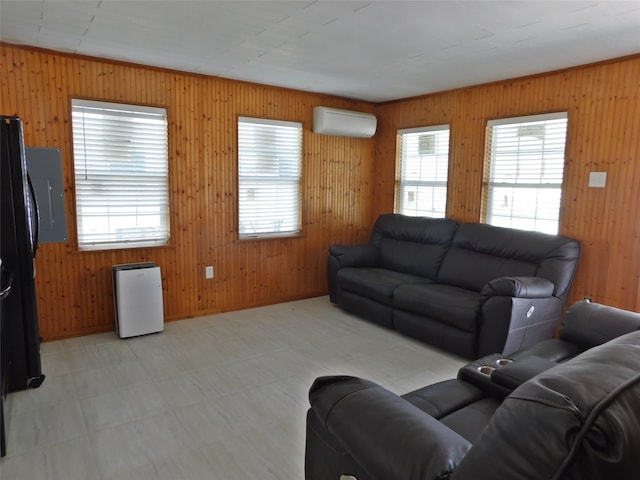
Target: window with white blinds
column 269, row 172
column 422, row 170
column 525, row 170
column 121, row 175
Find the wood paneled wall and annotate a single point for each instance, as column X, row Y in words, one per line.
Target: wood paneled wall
column 74, row 288
column 603, row 103
column 346, row 182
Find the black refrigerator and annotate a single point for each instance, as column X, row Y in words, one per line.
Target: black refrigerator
column 20, row 342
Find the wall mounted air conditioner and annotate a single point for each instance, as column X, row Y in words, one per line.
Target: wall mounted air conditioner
column 345, row 123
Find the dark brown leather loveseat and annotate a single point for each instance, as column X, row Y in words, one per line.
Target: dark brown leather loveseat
column 472, row 289
column 577, row 418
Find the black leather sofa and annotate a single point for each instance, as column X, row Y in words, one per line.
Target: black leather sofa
column 472, row 289
column 577, row 418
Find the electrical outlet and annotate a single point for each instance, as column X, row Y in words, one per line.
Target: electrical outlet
column 208, row 271
column 597, row 179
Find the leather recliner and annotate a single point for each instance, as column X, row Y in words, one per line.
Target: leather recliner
column 577, row 419
column 584, row 325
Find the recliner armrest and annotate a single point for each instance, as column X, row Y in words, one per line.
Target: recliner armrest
column 519, row 287
column 355, row 255
column 588, row 324
column 516, row 373
column 388, row 436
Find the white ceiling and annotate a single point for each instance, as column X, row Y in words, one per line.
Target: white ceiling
column 369, row 50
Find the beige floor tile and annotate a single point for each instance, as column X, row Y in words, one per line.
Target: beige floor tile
column 121, row 406
column 73, row 459
column 36, row 429
column 32, row 466
column 55, row 389
column 138, row 443
column 217, row 397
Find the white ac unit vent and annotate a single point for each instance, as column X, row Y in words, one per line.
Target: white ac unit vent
column 344, row 123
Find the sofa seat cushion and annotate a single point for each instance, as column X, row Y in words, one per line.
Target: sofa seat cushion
column 455, row 306
column 375, row 283
column 442, row 398
column 470, row 421
column 465, row 409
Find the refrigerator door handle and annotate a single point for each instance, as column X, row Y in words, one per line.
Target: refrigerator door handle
column 4, row 293
column 36, row 226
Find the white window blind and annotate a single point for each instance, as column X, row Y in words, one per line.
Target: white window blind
column 422, row 171
column 269, row 172
column 121, row 175
column 526, row 166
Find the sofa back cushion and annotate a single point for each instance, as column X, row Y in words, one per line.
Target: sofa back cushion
column 480, row 253
column 414, row 245
column 577, row 420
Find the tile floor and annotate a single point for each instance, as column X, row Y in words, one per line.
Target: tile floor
column 216, row 397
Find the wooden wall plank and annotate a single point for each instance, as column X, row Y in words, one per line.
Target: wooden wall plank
column 346, row 183
column 74, row 288
column 603, row 102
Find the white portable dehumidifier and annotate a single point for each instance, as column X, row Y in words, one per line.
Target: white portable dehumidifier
column 137, row 294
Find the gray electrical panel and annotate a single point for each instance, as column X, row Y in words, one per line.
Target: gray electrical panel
column 45, row 169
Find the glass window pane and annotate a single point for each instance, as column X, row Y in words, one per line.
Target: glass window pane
column 526, row 167
column 121, row 175
column 269, row 172
column 423, row 168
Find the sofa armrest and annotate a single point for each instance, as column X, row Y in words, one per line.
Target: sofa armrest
column 355, row 255
column 587, row 324
column 518, row 287
column 513, row 375
column 509, row 324
column 341, row 256
column 386, row 435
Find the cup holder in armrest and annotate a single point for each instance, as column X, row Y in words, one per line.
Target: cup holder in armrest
column 486, row 370
column 499, row 376
column 478, row 373
column 516, row 373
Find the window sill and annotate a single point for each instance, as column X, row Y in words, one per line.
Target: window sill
column 270, row 237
